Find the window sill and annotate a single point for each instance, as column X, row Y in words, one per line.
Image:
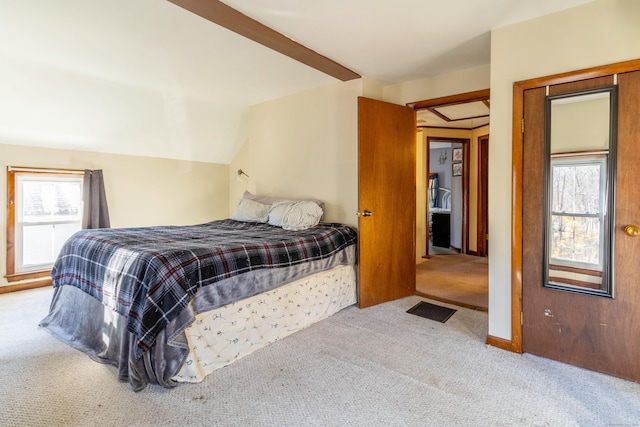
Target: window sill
column 24, row 286
column 17, row 277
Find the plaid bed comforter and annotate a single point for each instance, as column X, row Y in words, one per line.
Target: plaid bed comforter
column 150, row 274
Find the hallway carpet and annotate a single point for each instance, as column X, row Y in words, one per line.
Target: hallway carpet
column 458, row 279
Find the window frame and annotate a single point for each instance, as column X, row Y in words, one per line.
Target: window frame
column 601, row 160
column 11, row 230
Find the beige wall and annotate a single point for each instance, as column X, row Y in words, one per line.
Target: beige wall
column 141, row 191
column 470, row 80
column 597, row 33
column 580, row 126
column 71, row 84
column 304, row 145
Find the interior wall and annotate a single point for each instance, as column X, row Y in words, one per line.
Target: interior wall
column 86, row 75
column 305, row 145
column 238, row 184
column 52, row 105
column 594, row 34
column 443, row 170
column 592, row 132
column 141, row 191
column 470, row 80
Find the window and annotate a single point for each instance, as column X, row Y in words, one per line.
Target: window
column 577, row 221
column 44, row 210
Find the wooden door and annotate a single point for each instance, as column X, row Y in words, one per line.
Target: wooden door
column 386, row 202
column 483, row 196
column 593, row 332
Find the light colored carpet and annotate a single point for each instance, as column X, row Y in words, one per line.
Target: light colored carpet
column 374, row 367
column 460, row 278
column 435, row 250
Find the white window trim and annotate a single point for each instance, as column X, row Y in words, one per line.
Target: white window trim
column 14, row 226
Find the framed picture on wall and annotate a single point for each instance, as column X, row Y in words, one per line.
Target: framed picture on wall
column 456, row 169
column 457, row 155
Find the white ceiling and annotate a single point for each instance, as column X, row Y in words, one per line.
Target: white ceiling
column 399, row 40
column 158, row 46
column 468, row 115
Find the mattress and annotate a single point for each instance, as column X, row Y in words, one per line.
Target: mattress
column 219, row 337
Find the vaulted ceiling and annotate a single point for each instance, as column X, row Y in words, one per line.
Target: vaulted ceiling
column 396, row 41
column 159, row 47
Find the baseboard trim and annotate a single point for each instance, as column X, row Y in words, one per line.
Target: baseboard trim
column 500, row 343
column 448, row 301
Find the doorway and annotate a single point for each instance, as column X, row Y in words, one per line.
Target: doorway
column 451, row 270
column 448, row 196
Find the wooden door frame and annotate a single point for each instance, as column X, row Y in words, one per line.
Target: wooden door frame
column 515, row 344
column 466, row 143
column 482, row 95
column 482, row 199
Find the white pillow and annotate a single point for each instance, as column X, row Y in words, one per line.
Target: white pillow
column 277, row 212
column 295, row 215
column 271, row 200
column 251, row 211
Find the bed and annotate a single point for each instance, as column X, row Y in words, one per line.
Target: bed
column 170, row 304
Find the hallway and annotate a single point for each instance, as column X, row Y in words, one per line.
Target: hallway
column 457, row 279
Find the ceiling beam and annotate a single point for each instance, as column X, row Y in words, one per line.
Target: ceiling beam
column 462, row 98
column 229, row 18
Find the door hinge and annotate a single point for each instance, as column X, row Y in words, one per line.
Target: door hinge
column 521, row 318
column 522, row 126
column 486, row 237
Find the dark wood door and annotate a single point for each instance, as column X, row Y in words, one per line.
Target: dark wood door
column 386, row 202
column 483, row 196
column 593, row 332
